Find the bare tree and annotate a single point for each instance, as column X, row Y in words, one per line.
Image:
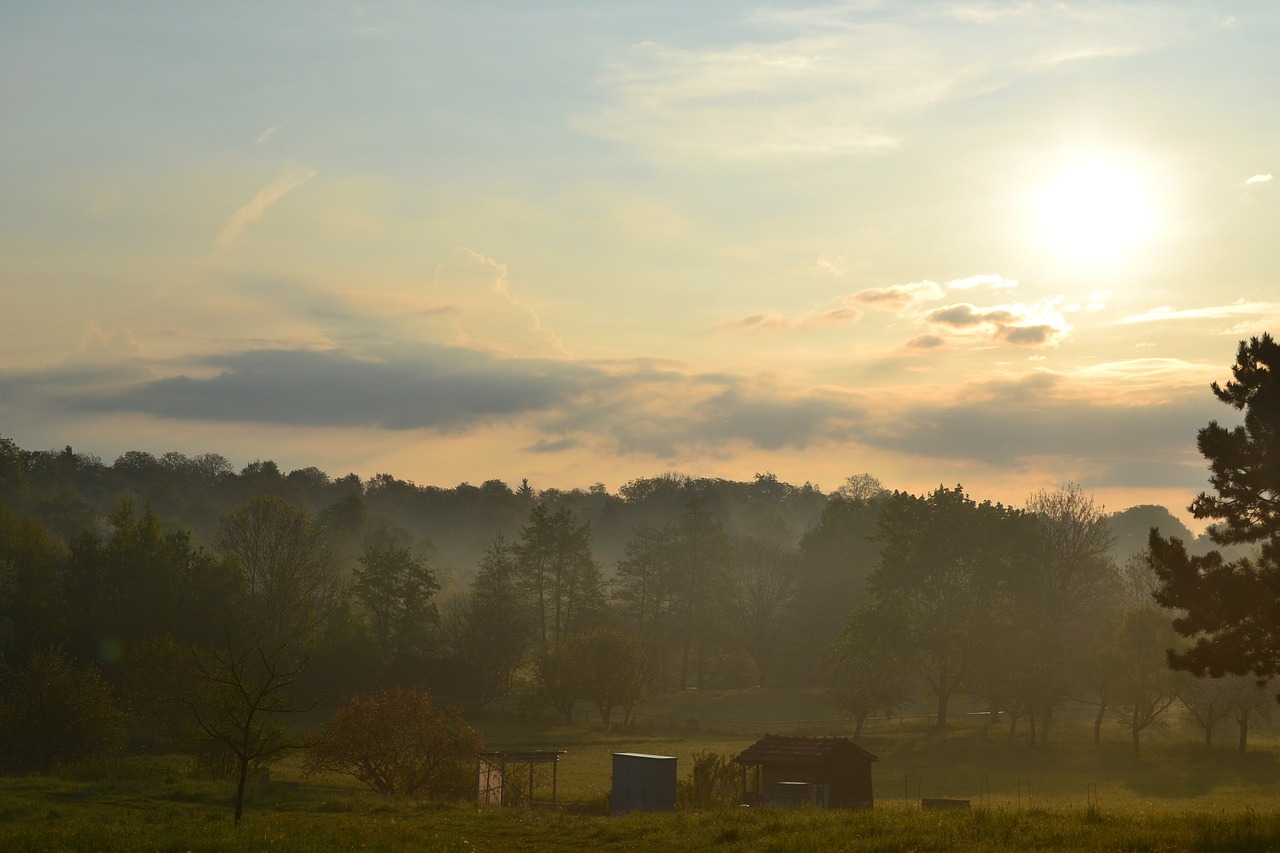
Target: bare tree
column 241, row 701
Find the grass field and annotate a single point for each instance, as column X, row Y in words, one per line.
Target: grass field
column 1065, row 795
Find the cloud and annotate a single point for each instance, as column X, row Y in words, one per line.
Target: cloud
column 991, row 280
column 1259, row 179
column 467, row 272
column 641, row 406
column 781, row 323
column 292, row 176
column 836, row 79
column 431, row 387
column 266, row 134
column 903, row 296
column 1040, row 325
column 1241, row 308
column 899, row 296
column 926, row 342
column 1122, row 414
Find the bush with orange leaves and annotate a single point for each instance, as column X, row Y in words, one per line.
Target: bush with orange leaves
column 398, row 743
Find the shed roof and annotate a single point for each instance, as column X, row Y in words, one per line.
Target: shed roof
column 786, row 749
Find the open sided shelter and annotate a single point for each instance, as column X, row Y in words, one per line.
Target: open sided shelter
column 513, row 777
column 827, row 772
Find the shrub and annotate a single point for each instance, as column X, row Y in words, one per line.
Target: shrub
column 397, row 742
column 56, row 713
column 712, row 783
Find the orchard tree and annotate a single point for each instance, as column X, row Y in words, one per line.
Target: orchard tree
column 1231, row 609
column 241, row 701
column 1144, row 685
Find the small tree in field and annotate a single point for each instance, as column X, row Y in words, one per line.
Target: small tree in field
column 396, row 742
column 240, row 701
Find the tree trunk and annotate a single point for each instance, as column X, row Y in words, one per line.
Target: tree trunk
column 1137, row 733
column 1097, row 722
column 943, row 698
column 242, row 776
column 1013, row 723
column 1031, row 724
column 1243, row 720
column 858, row 720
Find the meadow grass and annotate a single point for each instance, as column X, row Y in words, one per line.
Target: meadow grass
column 1067, row 794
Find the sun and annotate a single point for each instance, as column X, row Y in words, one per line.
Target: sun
column 1095, row 210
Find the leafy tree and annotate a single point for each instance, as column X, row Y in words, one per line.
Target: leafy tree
column 289, row 574
column 700, row 579
column 488, row 630
column 868, row 675
column 941, row 581
column 241, row 703
column 1058, row 596
column 31, row 607
column 1246, row 700
column 762, row 595
column 836, row 558
column 396, row 589
column 558, row 574
column 397, row 742
column 139, row 582
column 55, row 712
column 612, row 670
column 1145, row 687
column 642, row 588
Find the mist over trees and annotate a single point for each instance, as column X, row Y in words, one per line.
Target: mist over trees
column 177, row 576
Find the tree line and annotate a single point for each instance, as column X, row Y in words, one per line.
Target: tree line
column 253, row 595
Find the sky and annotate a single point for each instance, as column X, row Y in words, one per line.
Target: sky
column 1005, row 245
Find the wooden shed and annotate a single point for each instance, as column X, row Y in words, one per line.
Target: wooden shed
column 827, row 772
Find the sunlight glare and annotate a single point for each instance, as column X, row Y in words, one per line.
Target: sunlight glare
column 1096, row 210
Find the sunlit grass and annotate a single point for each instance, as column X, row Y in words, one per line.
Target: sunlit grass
column 1067, row 794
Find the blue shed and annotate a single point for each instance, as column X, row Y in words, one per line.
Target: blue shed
column 644, row 783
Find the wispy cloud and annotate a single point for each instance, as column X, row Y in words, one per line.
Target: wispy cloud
column 782, row 323
column 1213, row 312
column 1259, row 179
column 266, row 134
column 292, row 176
column 847, row 309
column 897, row 297
column 470, row 272
column 836, row 78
